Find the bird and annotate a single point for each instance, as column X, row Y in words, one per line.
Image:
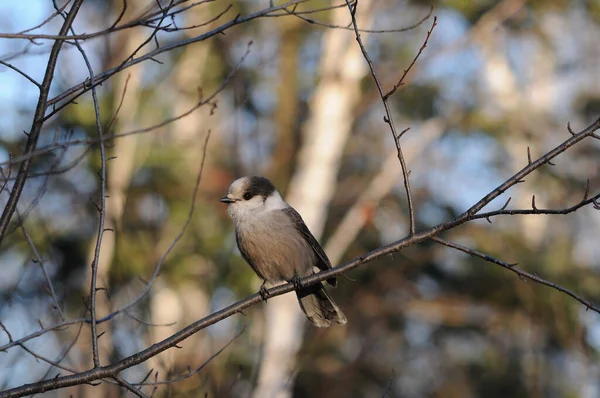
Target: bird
column 274, row 240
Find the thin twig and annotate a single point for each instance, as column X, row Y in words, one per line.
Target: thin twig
column 6, row 176
column 120, row 16
column 405, row 73
column 114, row 117
column 191, row 372
column 128, row 386
column 19, row 71
column 48, row 361
column 518, row 271
column 199, row 25
column 379, row 186
column 50, row 18
column 66, row 351
column 333, row 26
column 148, row 323
column 42, row 331
column 38, row 259
column 536, row 210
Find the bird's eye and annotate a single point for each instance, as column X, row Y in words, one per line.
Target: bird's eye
column 247, row 196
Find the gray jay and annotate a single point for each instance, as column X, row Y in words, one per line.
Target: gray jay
column 274, row 240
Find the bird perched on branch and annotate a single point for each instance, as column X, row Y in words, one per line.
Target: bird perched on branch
column 274, row 240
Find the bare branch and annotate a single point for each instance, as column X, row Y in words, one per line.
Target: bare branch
column 401, row 81
column 20, row 72
column 121, row 15
column 518, row 177
column 535, row 210
column 10, row 339
column 38, row 259
column 66, row 351
column 50, row 18
column 48, row 361
column 42, row 331
column 518, row 271
column 135, row 391
column 6, row 177
column 191, row 372
column 333, row 26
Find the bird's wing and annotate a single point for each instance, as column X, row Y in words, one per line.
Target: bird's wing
column 323, row 264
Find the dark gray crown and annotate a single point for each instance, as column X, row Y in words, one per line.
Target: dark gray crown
column 259, row 186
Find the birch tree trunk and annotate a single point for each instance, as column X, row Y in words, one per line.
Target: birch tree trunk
column 324, row 138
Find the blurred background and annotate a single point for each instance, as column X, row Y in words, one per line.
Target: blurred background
column 302, row 109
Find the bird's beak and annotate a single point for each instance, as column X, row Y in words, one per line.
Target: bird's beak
column 227, row 199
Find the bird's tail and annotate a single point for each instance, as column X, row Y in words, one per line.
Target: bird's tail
column 319, row 307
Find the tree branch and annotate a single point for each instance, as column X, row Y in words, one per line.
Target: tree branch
column 524, row 274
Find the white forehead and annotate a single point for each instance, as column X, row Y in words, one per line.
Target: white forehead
column 238, row 186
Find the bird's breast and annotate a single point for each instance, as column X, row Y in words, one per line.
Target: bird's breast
column 274, row 247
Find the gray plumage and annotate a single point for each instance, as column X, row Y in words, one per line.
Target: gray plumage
column 275, row 242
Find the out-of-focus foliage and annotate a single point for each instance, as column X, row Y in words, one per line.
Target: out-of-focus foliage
column 497, row 77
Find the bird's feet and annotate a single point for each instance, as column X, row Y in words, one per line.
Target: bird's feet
column 296, row 281
column 264, row 293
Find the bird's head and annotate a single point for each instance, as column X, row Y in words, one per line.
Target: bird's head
column 252, row 195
